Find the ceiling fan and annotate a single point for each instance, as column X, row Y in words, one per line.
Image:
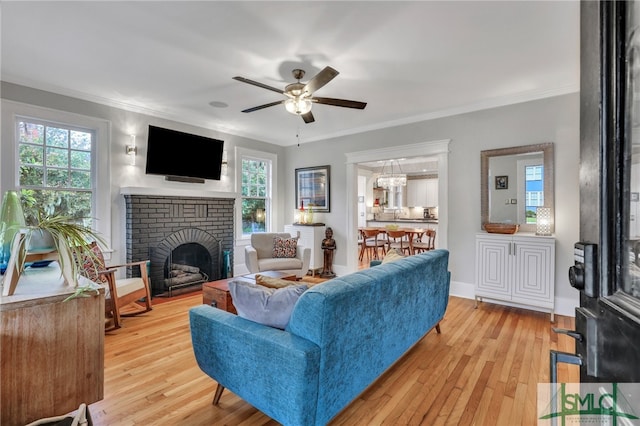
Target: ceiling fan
column 299, row 96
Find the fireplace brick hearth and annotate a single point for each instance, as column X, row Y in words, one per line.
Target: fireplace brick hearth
column 156, row 225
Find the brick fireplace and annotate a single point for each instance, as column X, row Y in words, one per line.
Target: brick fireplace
column 191, row 232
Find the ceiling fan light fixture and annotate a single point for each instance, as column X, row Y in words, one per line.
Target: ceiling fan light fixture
column 298, row 105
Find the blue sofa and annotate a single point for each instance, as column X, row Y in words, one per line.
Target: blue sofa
column 342, row 335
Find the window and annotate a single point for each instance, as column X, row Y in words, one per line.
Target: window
column 256, row 180
column 32, row 157
column 534, row 191
column 55, row 169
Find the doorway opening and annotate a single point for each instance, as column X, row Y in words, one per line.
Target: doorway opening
column 436, row 149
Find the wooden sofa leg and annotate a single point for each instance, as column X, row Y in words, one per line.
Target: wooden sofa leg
column 438, row 328
column 218, row 394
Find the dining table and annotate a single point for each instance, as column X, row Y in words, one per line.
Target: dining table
column 413, row 234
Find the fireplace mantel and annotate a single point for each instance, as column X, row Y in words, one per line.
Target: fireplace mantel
column 175, row 192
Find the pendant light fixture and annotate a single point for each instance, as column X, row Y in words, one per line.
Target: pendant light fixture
column 390, row 179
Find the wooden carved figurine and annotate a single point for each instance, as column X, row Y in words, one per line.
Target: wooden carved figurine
column 329, row 247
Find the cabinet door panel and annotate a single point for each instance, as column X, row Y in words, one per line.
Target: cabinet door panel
column 493, row 266
column 533, row 278
column 431, row 190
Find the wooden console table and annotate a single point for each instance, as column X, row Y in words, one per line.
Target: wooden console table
column 51, row 351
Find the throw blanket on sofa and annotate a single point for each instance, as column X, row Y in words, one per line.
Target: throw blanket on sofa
column 342, row 335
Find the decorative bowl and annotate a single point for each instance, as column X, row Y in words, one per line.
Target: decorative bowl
column 501, row 228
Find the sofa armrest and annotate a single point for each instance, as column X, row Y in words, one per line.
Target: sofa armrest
column 245, row 357
column 251, row 259
column 375, row 263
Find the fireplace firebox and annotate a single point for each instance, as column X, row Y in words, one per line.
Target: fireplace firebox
column 183, row 237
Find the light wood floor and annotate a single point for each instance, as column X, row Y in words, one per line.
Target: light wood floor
column 483, row 369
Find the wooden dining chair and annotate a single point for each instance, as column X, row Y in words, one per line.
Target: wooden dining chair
column 428, row 242
column 372, row 243
column 398, row 239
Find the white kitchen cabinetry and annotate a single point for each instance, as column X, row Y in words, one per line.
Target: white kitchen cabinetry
column 310, row 236
column 432, row 193
column 416, row 192
column 517, row 269
column 422, row 192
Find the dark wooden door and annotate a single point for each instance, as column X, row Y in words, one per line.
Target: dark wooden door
column 609, row 315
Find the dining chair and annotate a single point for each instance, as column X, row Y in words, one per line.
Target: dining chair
column 372, row 243
column 360, row 245
column 398, row 239
column 427, row 243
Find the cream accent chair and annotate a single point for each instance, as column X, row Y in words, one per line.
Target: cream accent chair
column 259, row 255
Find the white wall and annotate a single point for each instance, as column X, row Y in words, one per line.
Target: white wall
column 548, row 120
column 122, row 175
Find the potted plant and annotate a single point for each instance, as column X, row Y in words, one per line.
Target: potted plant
column 69, row 237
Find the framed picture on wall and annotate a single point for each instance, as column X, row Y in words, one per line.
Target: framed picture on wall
column 502, row 182
column 312, row 188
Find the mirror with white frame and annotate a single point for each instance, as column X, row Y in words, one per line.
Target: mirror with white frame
column 514, row 182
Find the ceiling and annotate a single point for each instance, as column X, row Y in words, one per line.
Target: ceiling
column 409, row 61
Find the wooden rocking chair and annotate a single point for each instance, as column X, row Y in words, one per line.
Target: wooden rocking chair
column 124, row 293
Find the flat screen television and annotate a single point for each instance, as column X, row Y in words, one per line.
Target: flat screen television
column 182, row 156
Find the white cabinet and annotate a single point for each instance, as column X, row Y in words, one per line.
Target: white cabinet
column 422, row 192
column 310, row 236
column 517, row 269
column 416, row 192
column 432, row 193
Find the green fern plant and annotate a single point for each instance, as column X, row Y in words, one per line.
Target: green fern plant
column 71, row 240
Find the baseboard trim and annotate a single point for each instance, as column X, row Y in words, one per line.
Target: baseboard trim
column 563, row 306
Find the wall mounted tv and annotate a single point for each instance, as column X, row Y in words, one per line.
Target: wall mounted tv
column 182, row 156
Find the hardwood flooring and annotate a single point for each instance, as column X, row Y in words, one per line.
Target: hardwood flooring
column 483, row 369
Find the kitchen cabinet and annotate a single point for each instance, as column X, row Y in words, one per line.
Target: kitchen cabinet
column 432, row 193
column 422, row 192
column 516, row 269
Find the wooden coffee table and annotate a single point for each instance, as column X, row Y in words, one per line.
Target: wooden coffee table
column 216, row 293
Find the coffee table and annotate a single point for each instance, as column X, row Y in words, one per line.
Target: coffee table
column 216, row 293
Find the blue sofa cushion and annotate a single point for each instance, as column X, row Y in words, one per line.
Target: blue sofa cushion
column 264, row 305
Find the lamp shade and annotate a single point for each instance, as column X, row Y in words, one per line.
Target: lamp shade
column 298, row 105
column 543, row 221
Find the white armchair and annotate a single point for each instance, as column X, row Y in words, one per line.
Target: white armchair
column 259, row 255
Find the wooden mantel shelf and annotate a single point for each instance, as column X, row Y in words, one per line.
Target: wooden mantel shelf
column 175, row 192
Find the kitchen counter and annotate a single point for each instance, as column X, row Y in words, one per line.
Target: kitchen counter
column 402, row 221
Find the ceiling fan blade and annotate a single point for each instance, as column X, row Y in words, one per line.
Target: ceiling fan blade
column 256, row 108
column 308, row 117
column 340, row 102
column 255, row 83
column 320, row 79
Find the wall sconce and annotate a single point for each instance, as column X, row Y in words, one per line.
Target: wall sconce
column 225, row 164
column 132, row 151
column 543, row 221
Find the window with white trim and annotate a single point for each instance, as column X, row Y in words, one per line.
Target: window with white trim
column 100, row 187
column 256, row 182
column 55, row 169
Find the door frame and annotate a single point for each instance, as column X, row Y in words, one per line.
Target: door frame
column 438, row 149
